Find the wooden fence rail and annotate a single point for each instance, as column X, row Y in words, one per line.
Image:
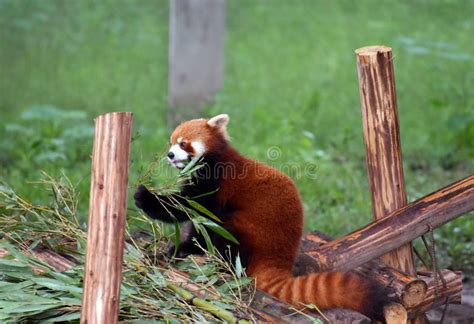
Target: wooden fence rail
column 401, row 226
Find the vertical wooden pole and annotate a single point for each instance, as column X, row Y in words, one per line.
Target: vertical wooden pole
column 107, row 216
column 382, row 143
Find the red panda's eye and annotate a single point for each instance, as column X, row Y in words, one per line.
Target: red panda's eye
column 182, row 145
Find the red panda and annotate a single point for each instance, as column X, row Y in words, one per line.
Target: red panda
column 262, row 208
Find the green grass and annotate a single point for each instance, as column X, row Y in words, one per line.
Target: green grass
column 290, row 83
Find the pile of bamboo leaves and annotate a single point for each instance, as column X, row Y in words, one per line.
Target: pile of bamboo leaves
column 205, row 289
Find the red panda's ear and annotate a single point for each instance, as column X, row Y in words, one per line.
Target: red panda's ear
column 219, row 121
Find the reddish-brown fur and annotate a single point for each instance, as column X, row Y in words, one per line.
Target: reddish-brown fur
column 267, row 219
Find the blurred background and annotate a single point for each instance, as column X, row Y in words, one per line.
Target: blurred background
column 289, row 81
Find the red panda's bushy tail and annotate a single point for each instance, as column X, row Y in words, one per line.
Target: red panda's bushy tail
column 326, row 290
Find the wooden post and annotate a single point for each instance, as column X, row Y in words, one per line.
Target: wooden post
column 107, row 216
column 196, row 55
column 382, row 142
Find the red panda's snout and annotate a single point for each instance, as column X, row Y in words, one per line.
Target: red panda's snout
column 194, row 138
column 183, row 152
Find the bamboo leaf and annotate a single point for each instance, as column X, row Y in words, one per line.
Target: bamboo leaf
column 8, row 264
column 27, row 308
column 66, row 317
column 54, row 284
column 202, row 210
column 157, row 278
column 207, row 238
column 221, row 231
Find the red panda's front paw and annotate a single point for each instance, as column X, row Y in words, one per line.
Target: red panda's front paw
column 143, row 198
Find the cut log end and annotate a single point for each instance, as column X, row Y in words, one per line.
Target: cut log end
column 372, row 50
column 395, row 313
column 414, row 293
column 125, row 115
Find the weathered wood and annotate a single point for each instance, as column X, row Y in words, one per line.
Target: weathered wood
column 382, row 142
column 395, row 314
column 57, row 261
column 196, row 55
column 408, row 289
column 417, row 295
column 401, row 226
column 438, row 295
column 107, row 217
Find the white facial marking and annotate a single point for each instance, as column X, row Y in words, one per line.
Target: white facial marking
column 180, row 139
column 179, row 155
column 199, row 148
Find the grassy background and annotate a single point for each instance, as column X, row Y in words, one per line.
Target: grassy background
column 290, row 83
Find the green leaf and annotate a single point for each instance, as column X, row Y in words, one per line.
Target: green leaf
column 205, row 234
column 194, row 162
column 202, row 210
column 157, row 278
column 27, row 297
column 221, row 231
column 28, row 308
column 15, row 264
column 65, row 278
column 66, row 317
column 68, row 301
column 238, row 267
column 57, row 285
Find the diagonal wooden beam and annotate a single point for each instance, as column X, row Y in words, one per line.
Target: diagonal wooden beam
column 401, row 226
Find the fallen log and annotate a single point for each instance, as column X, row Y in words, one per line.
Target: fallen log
column 408, row 289
column 437, row 294
column 417, row 295
column 401, row 226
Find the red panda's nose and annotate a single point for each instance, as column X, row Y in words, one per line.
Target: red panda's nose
column 170, row 155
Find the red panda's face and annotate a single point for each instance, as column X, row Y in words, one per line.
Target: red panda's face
column 194, row 138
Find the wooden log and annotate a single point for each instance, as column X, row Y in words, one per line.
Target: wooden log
column 395, row 314
column 274, row 310
column 401, row 226
column 107, row 217
column 408, row 289
column 57, row 261
column 382, row 142
column 417, row 295
column 438, row 295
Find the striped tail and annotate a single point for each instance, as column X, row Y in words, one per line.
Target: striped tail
column 326, row 290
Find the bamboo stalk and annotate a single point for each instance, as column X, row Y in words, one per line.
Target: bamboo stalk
column 205, row 305
column 107, row 217
column 401, row 226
